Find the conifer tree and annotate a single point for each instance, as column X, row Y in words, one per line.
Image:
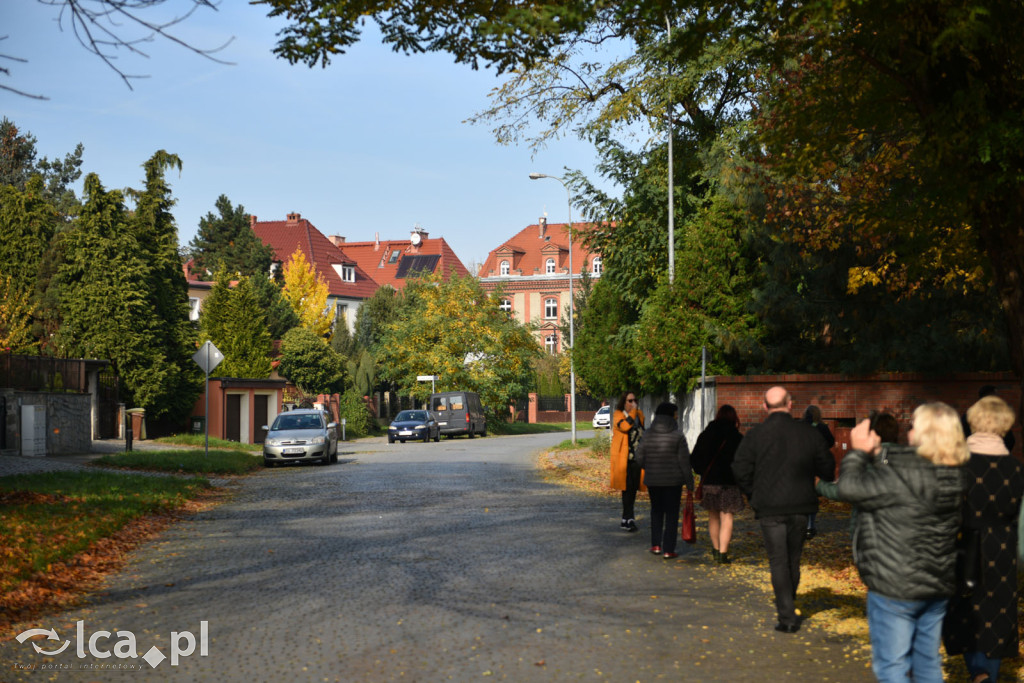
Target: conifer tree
column 227, row 240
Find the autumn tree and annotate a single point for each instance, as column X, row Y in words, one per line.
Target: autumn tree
column 306, row 291
column 227, row 240
column 455, row 330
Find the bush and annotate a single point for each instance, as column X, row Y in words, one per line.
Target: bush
column 358, row 419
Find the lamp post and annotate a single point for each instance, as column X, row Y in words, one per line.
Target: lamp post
column 572, row 324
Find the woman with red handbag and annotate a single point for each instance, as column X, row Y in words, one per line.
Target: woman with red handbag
column 665, row 459
column 712, row 459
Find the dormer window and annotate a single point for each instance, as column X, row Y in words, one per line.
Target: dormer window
column 394, row 256
column 549, row 266
column 348, row 273
column 504, row 268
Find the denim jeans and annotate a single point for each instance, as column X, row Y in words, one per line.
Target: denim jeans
column 977, row 663
column 905, row 637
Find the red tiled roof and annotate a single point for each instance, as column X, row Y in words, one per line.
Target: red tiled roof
column 528, row 251
column 284, row 237
column 375, row 258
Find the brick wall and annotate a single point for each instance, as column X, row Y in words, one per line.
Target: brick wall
column 845, row 400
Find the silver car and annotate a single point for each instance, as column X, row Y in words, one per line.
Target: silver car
column 301, row 436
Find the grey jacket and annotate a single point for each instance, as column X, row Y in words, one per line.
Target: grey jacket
column 664, row 455
column 908, row 514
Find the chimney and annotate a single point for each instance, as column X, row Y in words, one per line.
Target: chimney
column 542, row 223
column 294, row 217
column 376, row 241
column 252, row 220
column 337, row 240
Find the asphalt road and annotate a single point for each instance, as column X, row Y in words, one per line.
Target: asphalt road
column 422, row 562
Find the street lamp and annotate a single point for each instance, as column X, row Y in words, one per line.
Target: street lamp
column 572, row 339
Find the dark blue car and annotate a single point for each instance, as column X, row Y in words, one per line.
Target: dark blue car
column 420, row 425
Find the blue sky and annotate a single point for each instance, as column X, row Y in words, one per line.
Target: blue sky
column 373, row 143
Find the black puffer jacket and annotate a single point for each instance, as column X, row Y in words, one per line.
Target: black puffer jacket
column 664, row 455
column 908, row 514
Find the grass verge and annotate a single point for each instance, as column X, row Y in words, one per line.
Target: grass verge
column 185, row 461
column 831, row 596
column 63, row 531
column 516, row 428
column 199, row 441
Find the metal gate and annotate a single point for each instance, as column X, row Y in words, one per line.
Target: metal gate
column 107, row 402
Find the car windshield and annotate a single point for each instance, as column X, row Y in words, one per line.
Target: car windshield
column 307, row 421
column 604, row 409
column 412, row 416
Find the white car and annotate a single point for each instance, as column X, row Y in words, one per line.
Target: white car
column 603, row 418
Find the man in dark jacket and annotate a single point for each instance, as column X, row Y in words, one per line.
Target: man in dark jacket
column 775, row 466
column 665, row 459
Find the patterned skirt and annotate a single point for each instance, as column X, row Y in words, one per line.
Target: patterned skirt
column 723, row 499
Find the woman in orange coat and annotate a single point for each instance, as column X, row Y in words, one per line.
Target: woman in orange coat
column 627, row 427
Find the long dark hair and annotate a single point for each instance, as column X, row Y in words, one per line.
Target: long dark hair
column 621, row 405
column 728, row 415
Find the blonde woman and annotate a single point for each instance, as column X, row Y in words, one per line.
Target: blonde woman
column 982, row 625
column 908, row 501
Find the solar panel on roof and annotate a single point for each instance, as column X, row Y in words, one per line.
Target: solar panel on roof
column 411, row 266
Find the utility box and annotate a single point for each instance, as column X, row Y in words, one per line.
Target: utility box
column 33, row 430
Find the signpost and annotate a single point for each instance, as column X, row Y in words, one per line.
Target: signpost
column 428, row 378
column 208, row 357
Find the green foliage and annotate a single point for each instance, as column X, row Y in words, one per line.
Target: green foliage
column 228, row 241
column 233, row 320
column 456, row 331
column 362, row 369
column 358, row 418
column 374, row 316
column 125, row 299
column 603, row 354
column 547, row 381
column 310, row 363
column 280, row 315
column 18, row 165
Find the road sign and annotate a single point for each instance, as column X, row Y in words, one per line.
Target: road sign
column 208, row 357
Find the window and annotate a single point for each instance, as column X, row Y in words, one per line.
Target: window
column 506, row 305
column 348, row 273
column 549, row 266
column 551, row 343
column 550, row 308
column 595, row 266
column 394, row 256
column 193, row 308
column 504, row 268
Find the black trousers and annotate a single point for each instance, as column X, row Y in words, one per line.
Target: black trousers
column 665, row 501
column 784, row 542
column 632, row 486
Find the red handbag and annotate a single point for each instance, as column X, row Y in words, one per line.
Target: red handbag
column 689, row 528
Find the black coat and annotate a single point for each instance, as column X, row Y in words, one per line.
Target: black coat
column 664, row 455
column 908, row 514
column 714, row 452
column 776, row 464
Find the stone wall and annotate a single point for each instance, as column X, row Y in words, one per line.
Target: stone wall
column 68, row 421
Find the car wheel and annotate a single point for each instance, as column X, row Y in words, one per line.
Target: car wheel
column 426, row 436
column 391, row 439
column 470, row 433
column 437, row 436
column 267, row 463
column 483, row 432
